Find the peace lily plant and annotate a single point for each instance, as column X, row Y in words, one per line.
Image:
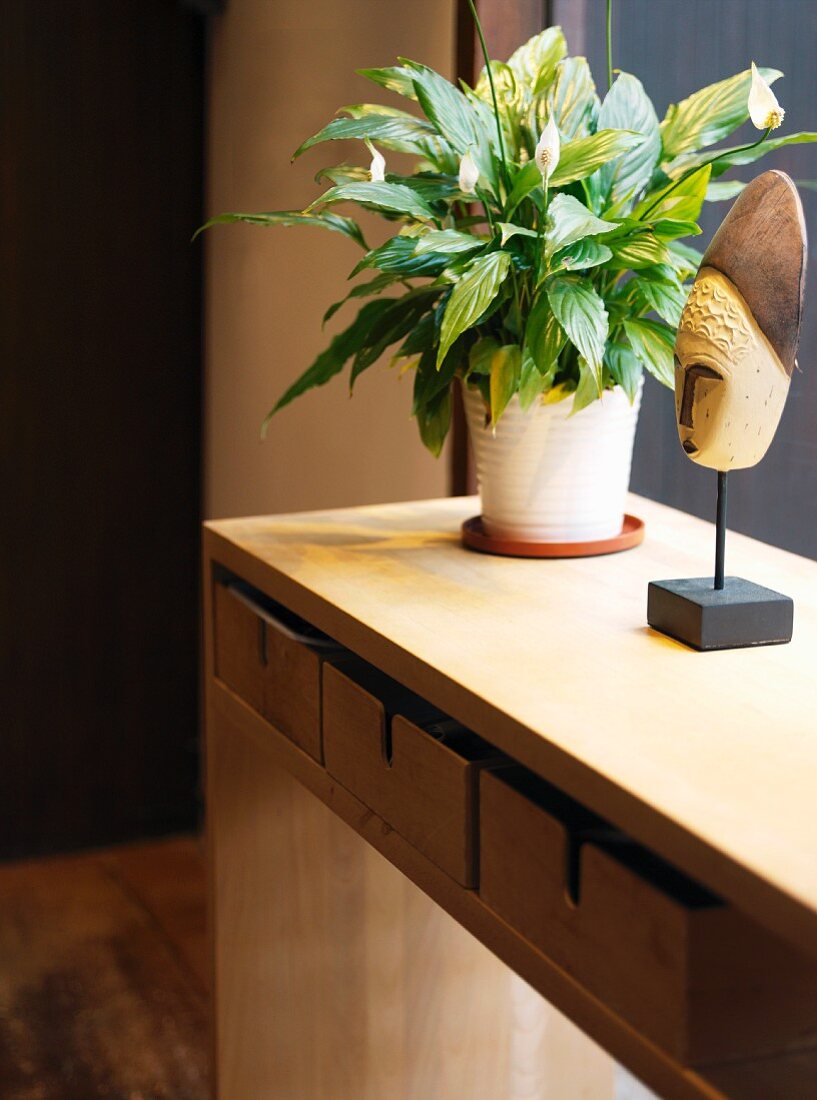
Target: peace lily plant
column 539, row 241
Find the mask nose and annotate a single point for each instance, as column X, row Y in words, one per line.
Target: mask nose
column 693, row 375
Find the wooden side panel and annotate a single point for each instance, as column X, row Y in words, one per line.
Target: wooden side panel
column 336, row 976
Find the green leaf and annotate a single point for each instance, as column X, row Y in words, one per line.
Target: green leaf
column 681, row 203
column 362, row 290
column 458, row 122
column 588, row 390
column 685, row 259
column 534, row 63
column 709, row 115
column 730, row 157
column 509, row 229
column 403, row 133
column 582, row 255
column 481, row 354
column 429, row 382
column 432, row 187
column 325, row 220
column 390, row 326
column 505, row 366
column 364, row 110
column 421, row 339
column 624, row 367
column 513, row 98
column 471, row 296
column 397, row 256
column 509, row 89
column 640, row 250
column 527, row 179
column 726, row 189
column 569, row 221
column 666, row 298
column 394, row 77
column 532, row 383
column 654, row 345
column 434, row 420
column 448, row 241
column 393, row 197
column 581, row 157
column 581, row 313
column 668, row 229
column 332, row 361
column 342, row 173
column 628, row 107
column 544, row 337
column 445, row 106
column 572, row 101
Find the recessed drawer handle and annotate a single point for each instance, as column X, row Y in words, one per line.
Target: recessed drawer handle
column 313, row 641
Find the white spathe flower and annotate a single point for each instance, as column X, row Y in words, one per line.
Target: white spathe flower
column 764, row 110
column 469, row 173
column 547, row 151
column 377, row 169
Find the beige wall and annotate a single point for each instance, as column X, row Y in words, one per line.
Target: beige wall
column 279, row 69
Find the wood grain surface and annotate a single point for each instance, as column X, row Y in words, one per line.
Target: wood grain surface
column 340, row 979
column 761, row 247
column 104, row 976
column 757, row 1079
column 710, row 760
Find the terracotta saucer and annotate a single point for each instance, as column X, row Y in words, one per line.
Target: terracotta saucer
column 475, row 537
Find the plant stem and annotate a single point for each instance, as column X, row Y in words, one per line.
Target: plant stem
column 609, row 44
column 487, row 210
column 540, row 231
column 697, row 168
column 481, row 36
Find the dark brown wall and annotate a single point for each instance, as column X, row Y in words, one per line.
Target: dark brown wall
column 100, row 130
column 675, row 49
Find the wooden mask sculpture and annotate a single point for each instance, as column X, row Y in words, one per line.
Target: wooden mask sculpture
column 734, row 357
column 737, row 339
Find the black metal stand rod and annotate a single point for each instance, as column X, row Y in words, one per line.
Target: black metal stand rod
column 720, row 531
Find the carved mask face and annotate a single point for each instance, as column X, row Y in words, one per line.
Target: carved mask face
column 730, row 386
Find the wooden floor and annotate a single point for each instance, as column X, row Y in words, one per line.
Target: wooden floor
column 104, row 975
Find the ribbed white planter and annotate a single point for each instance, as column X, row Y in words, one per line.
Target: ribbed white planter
column 547, row 476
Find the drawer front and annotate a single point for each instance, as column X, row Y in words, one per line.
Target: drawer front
column 407, row 763
column 239, row 646
column 692, row 974
column 260, row 657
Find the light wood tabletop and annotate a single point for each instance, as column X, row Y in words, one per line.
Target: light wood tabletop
column 710, row 759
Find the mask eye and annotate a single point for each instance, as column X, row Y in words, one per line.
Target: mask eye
column 694, row 374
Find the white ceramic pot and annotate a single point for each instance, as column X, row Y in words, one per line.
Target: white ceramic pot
column 547, row 476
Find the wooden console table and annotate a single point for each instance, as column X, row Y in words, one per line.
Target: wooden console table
column 624, row 826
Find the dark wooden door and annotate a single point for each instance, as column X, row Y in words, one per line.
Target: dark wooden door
column 101, row 133
column 675, row 49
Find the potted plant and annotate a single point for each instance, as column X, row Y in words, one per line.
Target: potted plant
column 538, row 259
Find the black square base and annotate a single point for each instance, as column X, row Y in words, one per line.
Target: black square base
column 740, row 614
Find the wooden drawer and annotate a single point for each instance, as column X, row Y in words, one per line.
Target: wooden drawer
column 411, row 765
column 272, row 660
column 689, row 972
